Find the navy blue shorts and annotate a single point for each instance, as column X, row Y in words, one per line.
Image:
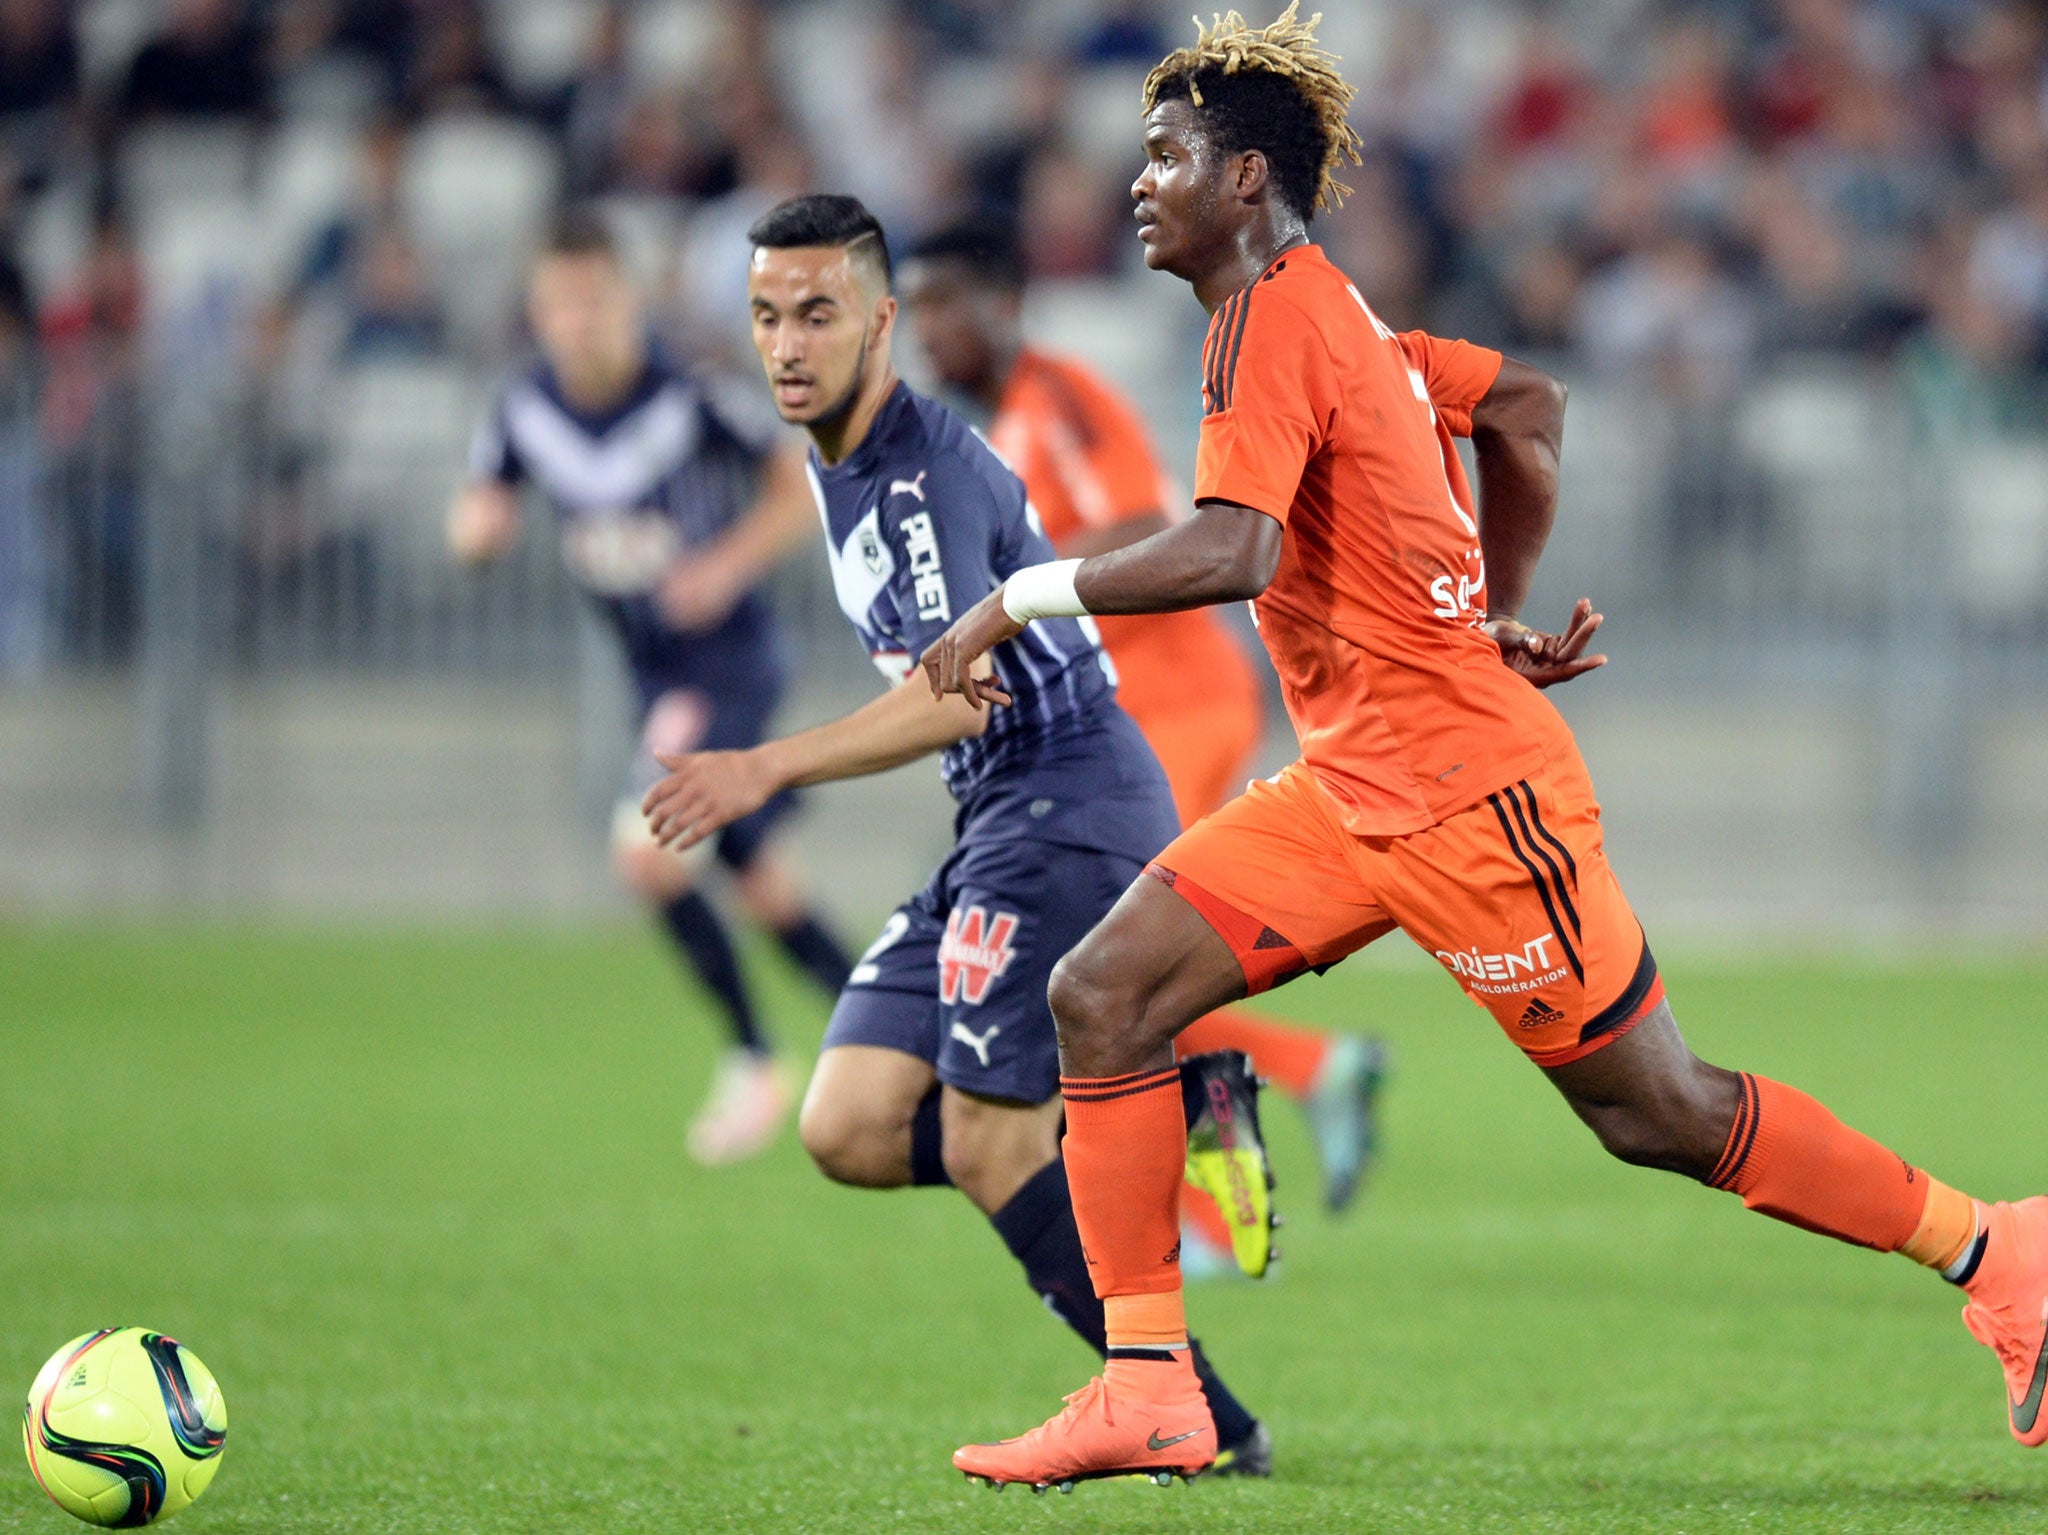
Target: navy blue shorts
column 958, row 975
column 730, row 716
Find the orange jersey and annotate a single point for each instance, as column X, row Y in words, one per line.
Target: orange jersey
column 1087, row 462
column 1318, row 415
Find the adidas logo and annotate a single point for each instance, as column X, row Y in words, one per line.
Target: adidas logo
column 1539, row 1014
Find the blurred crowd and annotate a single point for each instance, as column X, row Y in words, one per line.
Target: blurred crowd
column 276, row 192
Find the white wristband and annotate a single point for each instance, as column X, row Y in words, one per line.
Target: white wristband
column 1043, row 591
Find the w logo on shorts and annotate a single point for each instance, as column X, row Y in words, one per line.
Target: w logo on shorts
column 975, row 950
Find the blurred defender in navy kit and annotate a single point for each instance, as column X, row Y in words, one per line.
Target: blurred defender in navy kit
column 674, row 500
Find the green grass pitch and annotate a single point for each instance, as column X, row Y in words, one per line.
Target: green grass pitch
column 419, row 1199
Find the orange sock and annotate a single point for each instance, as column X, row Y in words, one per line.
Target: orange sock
column 1290, row 1055
column 1948, row 1229
column 1789, row 1158
column 1126, row 1148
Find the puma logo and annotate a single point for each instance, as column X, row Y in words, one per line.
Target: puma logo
column 909, row 487
column 979, row 1045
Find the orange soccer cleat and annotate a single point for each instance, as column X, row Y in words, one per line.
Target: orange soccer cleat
column 1135, row 1419
column 2008, row 1309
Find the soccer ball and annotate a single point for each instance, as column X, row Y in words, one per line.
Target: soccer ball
column 124, row 1427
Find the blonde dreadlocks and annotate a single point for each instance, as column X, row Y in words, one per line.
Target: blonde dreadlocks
column 1305, row 145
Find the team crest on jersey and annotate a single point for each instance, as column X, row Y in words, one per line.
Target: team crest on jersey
column 974, row 952
column 870, row 547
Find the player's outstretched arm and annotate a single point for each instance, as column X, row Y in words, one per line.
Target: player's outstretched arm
column 708, row 790
column 706, row 585
column 1224, row 553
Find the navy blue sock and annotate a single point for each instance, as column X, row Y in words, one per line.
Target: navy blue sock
column 699, row 933
column 927, row 1153
column 1037, row 1225
column 812, row 945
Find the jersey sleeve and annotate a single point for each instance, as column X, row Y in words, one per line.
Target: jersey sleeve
column 491, row 453
column 1457, row 375
column 1269, row 393
column 945, row 531
column 1112, row 473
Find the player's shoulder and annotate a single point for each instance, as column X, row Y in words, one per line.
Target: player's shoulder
column 1284, row 310
column 1074, row 390
column 929, row 437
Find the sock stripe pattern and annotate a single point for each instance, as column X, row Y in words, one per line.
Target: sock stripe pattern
column 1104, row 1089
column 1789, row 1158
column 1740, row 1139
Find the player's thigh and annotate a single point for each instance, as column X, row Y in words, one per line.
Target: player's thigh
column 877, row 1060
column 1516, row 900
column 1014, row 907
column 1271, row 875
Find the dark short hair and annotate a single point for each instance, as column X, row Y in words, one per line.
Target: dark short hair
column 1252, row 109
column 828, row 219
column 581, row 232
column 986, row 243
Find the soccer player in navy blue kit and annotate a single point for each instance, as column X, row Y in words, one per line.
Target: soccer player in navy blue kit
column 673, row 504
column 940, row 1063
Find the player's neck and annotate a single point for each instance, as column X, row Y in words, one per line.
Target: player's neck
column 840, row 436
column 600, row 387
column 988, row 392
column 1256, row 247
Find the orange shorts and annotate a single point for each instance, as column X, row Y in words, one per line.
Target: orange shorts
column 1206, row 747
column 1513, row 897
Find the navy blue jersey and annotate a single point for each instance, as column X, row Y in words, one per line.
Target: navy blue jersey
column 922, row 521
column 666, row 470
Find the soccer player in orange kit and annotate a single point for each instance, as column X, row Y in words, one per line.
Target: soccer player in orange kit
column 1096, row 483
column 1437, row 792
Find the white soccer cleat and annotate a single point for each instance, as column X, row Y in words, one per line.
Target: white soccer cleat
column 750, row 1097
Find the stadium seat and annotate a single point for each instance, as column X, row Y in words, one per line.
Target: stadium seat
column 477, row 193
column 397, row 439
column 1998, row 499
column 110, row 34
column 1817, row 434
column 675, row 41
column 543, row 44
column 308, row 175
column 170, row 164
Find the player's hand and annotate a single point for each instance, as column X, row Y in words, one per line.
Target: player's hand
column 956, row 662
column 703, row 792
column 483, row 523
column 1548, row 659
column 698, row 593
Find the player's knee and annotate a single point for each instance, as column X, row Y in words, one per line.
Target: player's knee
column 845, row 1144
column 652, row 873
column 1677, row 1128
column 1085, row 997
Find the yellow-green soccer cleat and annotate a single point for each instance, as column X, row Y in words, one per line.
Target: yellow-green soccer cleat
column 1227, row 1155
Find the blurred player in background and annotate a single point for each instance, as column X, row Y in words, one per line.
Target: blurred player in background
column 1089, row 467
column 674, row 503
column 1438, row 791
column 940, row 1065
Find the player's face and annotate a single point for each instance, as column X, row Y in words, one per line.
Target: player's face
column 964, row 327
column 1181, row 206
column 818, row 326
column 585, row 315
